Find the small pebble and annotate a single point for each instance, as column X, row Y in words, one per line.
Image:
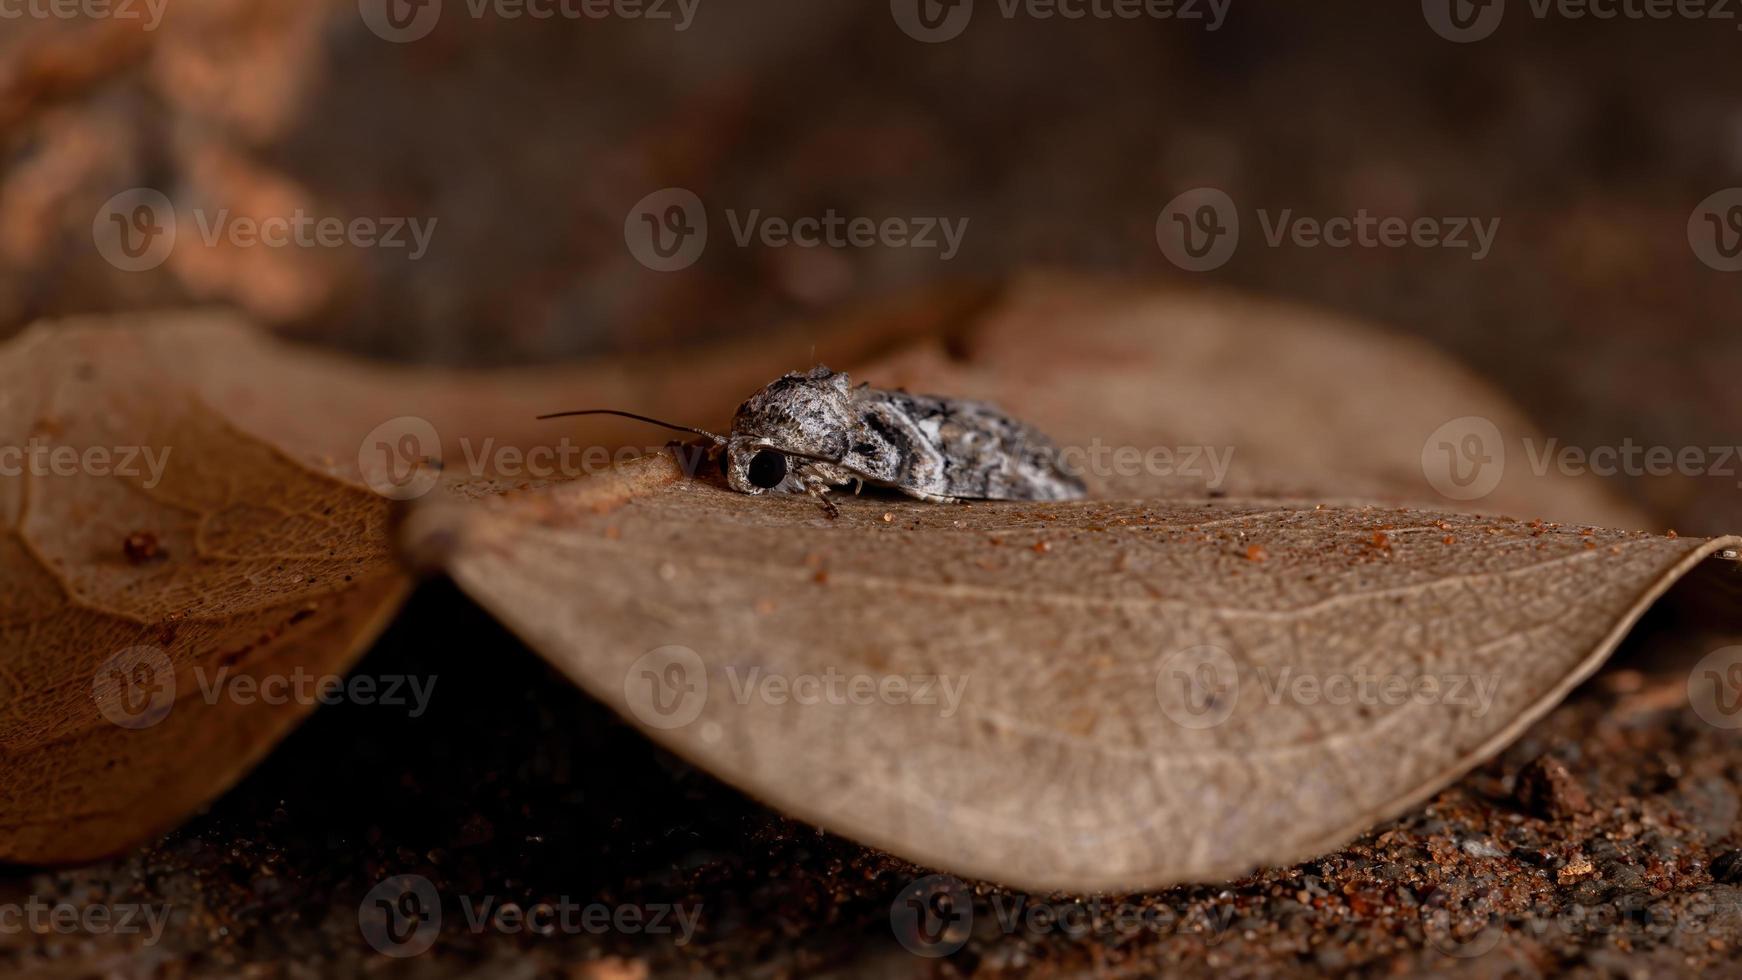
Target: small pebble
column 1548, row 789
column 1577, row 868
column 1482, row 849
column 141, row 547
column 1727, row 868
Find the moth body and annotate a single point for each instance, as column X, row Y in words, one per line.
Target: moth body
column 810, row 432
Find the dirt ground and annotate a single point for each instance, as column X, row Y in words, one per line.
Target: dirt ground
column 1603, row 843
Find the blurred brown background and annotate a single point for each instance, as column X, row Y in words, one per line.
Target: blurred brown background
column 528, row 142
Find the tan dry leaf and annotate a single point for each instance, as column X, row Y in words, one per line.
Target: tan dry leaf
column 1310, row 403
column 241, row 560
column 320, row 407
column 1077, row 757
column 257, row 551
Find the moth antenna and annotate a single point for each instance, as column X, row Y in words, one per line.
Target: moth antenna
column 831, row 460
column 639, row 418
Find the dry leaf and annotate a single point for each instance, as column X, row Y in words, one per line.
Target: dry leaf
column 179, row 549
column 227, row 534
column 259, row 551
column 1103, row 712
column 1309, row 404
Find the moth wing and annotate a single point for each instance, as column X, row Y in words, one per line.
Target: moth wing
column 998, row 457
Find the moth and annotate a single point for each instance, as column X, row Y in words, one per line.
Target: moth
column 815, row 432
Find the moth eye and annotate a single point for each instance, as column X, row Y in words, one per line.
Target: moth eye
column 767, row 469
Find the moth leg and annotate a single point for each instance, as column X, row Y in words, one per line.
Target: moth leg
column 820, row 491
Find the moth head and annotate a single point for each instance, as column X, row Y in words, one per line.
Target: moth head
column 798, row 421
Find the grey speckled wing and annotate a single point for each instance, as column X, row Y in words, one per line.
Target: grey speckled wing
column 937, row 447
column 813, row 431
